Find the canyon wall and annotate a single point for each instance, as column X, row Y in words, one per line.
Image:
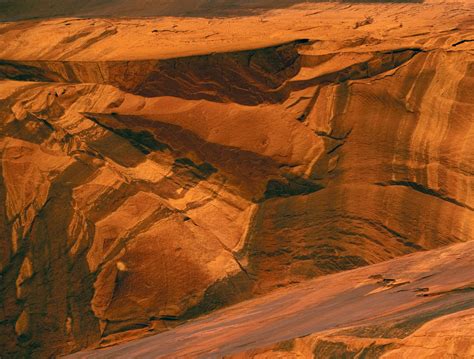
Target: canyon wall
column 136, row 194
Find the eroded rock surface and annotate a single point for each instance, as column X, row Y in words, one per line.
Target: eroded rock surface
column 419, row 306
column 157, row 169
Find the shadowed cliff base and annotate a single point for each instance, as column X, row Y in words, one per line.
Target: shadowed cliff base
column 30, row 9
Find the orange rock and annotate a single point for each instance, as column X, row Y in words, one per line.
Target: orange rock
column 155, row 169
column 387, row 310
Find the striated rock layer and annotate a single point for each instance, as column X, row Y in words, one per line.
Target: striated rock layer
column 146, row 182
column 419, row 306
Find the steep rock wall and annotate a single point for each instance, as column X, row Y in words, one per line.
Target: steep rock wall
column 135, row 195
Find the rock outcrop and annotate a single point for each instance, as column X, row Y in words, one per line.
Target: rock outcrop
column 143, row 185
column 417, row 306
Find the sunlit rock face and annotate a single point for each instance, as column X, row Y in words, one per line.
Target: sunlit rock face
column 157, row 169
column 419, row 305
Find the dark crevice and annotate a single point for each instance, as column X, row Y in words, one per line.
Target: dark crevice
column 455, row 290
column 310, row 106
column 332, row 137
column 462, row 42
column 335, row 148
column 291, row 185
column 143, row 141
column 425, row 190
column 203, row 171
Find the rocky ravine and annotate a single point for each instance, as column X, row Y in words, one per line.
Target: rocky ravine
column 144, row 185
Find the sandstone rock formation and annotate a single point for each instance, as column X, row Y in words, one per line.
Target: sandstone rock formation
column 417, row 306
column 157, row 169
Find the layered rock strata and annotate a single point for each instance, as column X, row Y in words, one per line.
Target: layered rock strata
column 143, row 188
column 418, row 306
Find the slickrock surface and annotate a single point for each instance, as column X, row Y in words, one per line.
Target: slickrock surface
column 155, row 169
column 418, row 306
